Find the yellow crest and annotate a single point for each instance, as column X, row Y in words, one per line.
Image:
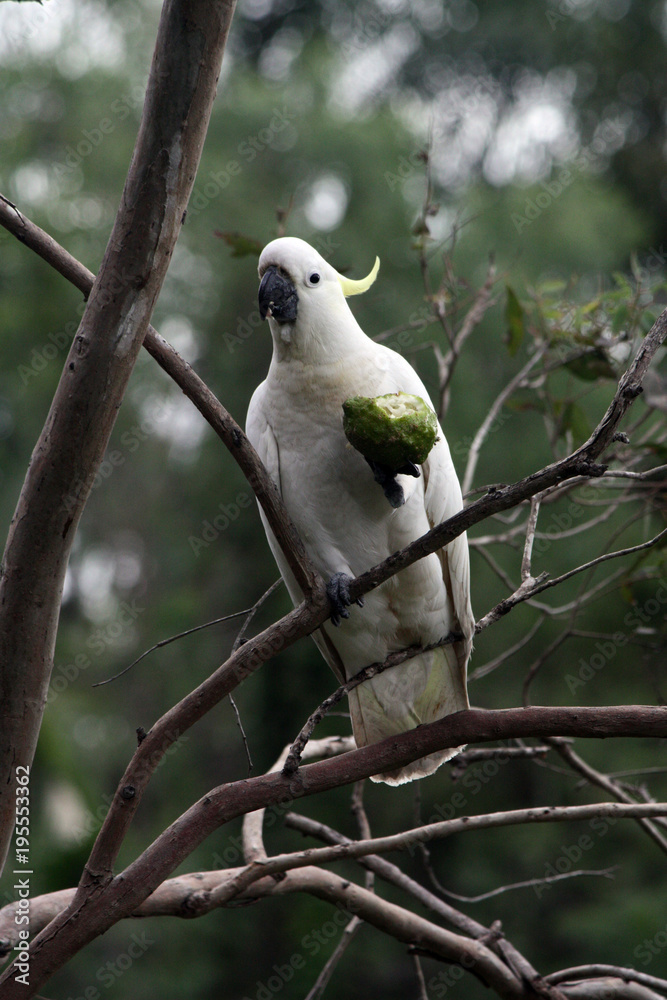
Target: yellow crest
column 351, row 287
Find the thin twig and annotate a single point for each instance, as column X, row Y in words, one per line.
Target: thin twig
column 530, row 537
column 393, row 874
column 538, row 663
column 325, row 975
column 528, row 883
column 491, row 416
column 421, row 982
column 173, row 638
column 487, row 668
column 548, row 814
column 253, row 611
column 540, row 584
column 593, row 971
column 607, row 784
column 359, row 812
column 243, row 734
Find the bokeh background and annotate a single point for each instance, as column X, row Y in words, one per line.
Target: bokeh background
column 545, row 122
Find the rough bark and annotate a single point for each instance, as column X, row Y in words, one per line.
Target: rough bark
column 181, row 89
column 102, row 898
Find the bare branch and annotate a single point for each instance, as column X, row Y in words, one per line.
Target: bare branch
column 610, row 988
column 483, row 432
column 421, row 982
column 391, row 873
column 530, row 538
column 179, row 97
column 487, row 668
column 527, row 884
column 115, row 897
column 474, row 316
column 325, row 975
column 538, row 663
column 253, row 822
column 531, row 587
column 197, row 392
column 173, row 638
column 400, row 841
column 593, row 971
column 607, row 784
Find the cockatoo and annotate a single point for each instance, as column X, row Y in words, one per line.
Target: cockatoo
column 321, row 357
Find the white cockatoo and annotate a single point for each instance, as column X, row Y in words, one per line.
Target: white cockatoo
column 321, row 357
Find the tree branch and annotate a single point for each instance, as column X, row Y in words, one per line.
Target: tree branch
column 224, row 425
column 179, row 97
column 110, row 898
column 593, row 971
column 580, row 462
column 419, row 835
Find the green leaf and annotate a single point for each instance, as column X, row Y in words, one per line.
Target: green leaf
column 591, row 366
column 242, row 246
column 554, row 287
column 574, row 419
column 647, row 320
column 620, row 317
column 515, row 322
column 590, row 307
column 525, row 399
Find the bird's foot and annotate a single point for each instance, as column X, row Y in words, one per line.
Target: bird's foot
column 338, row 592
column 386, row 477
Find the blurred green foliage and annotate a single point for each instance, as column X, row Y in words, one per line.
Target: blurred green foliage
column 171, row 537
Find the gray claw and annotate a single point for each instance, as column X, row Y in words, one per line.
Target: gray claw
column 338, row 592
column 386, row 477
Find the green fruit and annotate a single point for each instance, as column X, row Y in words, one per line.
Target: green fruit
column 391, row 430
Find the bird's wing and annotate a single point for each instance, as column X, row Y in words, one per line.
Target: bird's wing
column 442, row 499
column 260, row 433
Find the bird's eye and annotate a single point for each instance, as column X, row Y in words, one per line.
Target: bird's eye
column 313, row 278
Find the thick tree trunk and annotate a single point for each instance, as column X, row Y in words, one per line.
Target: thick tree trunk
column 180, row 93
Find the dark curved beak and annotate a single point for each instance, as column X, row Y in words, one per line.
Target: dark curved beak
column 277, row 296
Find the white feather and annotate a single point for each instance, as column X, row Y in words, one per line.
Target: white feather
column 295, row 423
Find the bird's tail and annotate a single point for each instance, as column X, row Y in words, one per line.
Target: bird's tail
column 421, row 690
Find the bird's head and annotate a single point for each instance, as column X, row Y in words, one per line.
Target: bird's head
column 300, row 291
